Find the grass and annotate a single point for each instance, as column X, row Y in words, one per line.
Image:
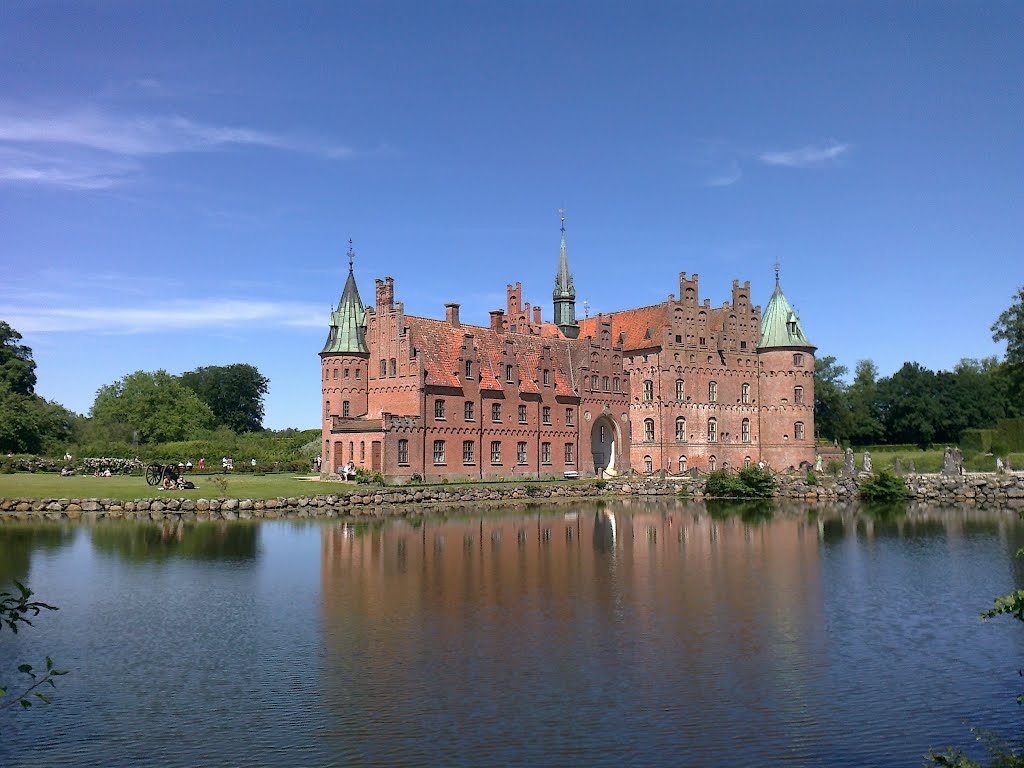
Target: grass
column 127, row 487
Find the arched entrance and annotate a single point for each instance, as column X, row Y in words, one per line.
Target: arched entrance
column 604, row 446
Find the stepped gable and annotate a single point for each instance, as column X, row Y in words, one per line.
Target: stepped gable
column 631, row 328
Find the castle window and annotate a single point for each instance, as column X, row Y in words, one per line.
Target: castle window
column 545, row 453
column 439, row 451
column 605, row 384
column 495, row 452
column 680, row 430
column 546, row 414
column 743, row 345
column 508, row 374
column 798, row 395
column 344, row 407
column 359, row 374
column 593, row 382
column 798, row 430
column 745, row 393
column 467, row 452
column 682, row 464
column 546, row 377
column 496, row 412
column 383, row 368
column 703, row 341
column 712, row 430
column 713, row 392
column 745, row 430
column 679, row 389
column 568, row 417
column 648, row 390
column 439, row 409
column 351, row 451
column 648, row 464
column 327, row 409
column 615, row 384
column 403, row 451
column 679, row 339
column 521, row 453
column 393, row 367
column 334, row 373
column 712, row 463
column 467, row 411
column 522, row 414
column 346, row 373
column 798, row 359
column 568, row 453
column 362, row 452
column 746, row 462
column 469, row 369
column 648, row 430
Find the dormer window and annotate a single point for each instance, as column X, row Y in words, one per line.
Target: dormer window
column 469, row 369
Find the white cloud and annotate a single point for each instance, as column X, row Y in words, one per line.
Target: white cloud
column 158, row 317
column 809, row 156
column 91, row 149
column 726, row 179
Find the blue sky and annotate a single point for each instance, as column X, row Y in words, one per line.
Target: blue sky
column 178, row 181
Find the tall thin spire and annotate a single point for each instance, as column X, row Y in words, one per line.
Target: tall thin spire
column 564, row 294
column 776, row 271
column 351, row 255
column 348, row 320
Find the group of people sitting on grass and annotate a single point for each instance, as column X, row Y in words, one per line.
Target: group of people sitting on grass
column 180, row 484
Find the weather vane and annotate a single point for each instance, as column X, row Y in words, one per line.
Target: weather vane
column 351, row 254
column 586, row 309
column 561, row 216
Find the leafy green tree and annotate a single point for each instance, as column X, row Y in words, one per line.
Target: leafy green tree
column 831, row 408
column 865, row 419
column 908, row 405
column 17, row 368
column 155, row 405
column 233, row 392
column 1009, row 327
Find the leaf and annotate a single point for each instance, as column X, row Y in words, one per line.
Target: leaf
column 25, row 703
column 41, row 697
column 26, row 668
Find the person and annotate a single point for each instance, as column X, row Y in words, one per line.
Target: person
column 253, row 462
column 67, row 456
column 188, row 465
column 202, row 463
column 167, row 483
column 817, row 463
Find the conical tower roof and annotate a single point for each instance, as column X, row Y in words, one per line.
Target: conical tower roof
column 564, row 288
column 348, row 321
column 780, row 326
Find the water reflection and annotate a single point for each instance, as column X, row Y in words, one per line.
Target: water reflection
column 18, row 544
column 193, row 541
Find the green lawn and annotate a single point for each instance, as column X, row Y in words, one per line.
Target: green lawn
column 40, row 485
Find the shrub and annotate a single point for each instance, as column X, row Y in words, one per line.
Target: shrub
column 601, row 484
column 883, row 486
column 812, row 479
column 748, row 483
column 834, row 468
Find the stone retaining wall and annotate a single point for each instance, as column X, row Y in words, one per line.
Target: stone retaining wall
column 981, row 489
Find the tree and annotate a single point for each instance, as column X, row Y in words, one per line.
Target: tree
column 831, row 410
column 865, row 422
column 1009, row 327
column 908, row 405
column 234, row 393
column 15, row 610
column 156, row 405
column 17, row 368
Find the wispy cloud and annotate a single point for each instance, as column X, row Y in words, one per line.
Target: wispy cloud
column 725, row 179
column 92, row 149
column 162, row 316
column 809, row 156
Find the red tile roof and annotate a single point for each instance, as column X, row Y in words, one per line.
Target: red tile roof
column 631, row 328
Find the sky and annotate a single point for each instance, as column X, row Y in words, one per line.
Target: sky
column 179, row 180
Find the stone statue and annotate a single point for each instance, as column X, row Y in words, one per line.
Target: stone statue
column 958, row 459
column 911, row 467
column 867, row 461
column 897, row 466
column 948, row 462
column 848, row 468
column 999, row 465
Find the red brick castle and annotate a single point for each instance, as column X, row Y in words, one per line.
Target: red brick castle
column 673, row 386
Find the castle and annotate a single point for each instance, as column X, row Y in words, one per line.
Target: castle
column 669, row 387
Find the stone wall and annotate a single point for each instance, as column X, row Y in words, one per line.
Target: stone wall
column 1005, row 490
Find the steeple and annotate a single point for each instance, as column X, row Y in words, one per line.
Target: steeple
column 348, row 321
column 565, row 294
column 780, row 325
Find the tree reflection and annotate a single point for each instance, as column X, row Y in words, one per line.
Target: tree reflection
column 191, row 541
column 19, row 542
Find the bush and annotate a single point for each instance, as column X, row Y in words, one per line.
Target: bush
column 883, row 486
column 601, row 484
column 748, row 483
column 834, row 468
column 812, row 479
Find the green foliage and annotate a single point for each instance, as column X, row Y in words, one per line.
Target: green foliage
column 831, row 406
column 19, row 609
column 748, row 483
column 865, row 417
column 1009, row 327
column 883, row 486
column 812, row 478
column 17, row 368
column 834, row 467
column 234, row 394
column 155, row 405
column 533, row 489
column 601, row 484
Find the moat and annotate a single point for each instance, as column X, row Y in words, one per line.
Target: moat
column 629, row 631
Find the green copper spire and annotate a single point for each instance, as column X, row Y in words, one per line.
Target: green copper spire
column 348, row 320
column 780, row 326
column 564, row 293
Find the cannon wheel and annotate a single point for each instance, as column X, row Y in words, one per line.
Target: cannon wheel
column 169, row 471
column 153, row 474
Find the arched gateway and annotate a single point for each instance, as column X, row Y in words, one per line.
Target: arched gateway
column 605, row 446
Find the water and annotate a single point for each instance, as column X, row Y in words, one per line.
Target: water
column 619, row 633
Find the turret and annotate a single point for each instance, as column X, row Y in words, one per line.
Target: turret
column 346, row 335
column 564, row 294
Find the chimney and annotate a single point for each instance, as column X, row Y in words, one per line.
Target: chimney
column 498, row 320
column 536, row 315
column 451, row 314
